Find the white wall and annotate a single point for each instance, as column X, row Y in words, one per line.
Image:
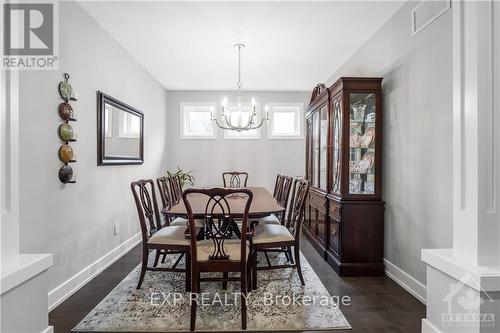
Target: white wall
column 417, row 156
column 75, row 221
column 261, row 158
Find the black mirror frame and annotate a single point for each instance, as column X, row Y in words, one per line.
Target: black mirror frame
column 102, row 159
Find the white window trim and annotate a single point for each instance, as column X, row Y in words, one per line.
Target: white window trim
column 300, row 119
column 257, row 136
column 182, row 113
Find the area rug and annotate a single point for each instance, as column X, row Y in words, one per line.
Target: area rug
column 280, row 303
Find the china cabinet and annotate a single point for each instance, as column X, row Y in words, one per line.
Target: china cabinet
column 344, row 217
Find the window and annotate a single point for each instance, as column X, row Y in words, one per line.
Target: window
column 247, row 110
column 195, row 121
column 285, row 121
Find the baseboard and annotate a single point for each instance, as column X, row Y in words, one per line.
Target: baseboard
column 428, row 327
column 49, row 329
column 69, row 287
column 405, row 280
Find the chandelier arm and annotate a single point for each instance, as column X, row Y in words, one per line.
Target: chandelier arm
column 257, row 126
column 221, row 126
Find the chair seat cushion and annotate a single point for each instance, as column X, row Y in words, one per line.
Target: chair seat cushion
column 179, row 221
column 270, row 219
column 271, row 233
column 171, row 235
column 232, row 247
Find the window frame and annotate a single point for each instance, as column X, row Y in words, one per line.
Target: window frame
column 257, row 136
column 184, row 109
column 299, row 114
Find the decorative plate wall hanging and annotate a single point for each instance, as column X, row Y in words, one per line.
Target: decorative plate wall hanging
column 66, row 132
column 66, row 111
column 66, row 153
column 65, row 174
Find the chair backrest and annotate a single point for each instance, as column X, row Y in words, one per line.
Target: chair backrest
column 297, row 205
column 147, row 207
column 219, row 218
column 175, row 189
column 284, row 194
column 235, row 179
column 165, row 192
column 278, row 185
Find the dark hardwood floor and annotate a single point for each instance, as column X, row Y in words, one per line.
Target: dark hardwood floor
column 378, row 304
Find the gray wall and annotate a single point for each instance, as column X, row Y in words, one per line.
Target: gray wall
column 261, row 158
column 75, row 222
column 417, row 156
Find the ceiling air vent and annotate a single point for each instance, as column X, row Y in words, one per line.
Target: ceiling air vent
column 426, row 12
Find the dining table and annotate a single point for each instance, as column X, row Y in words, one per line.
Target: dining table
column 263, row 204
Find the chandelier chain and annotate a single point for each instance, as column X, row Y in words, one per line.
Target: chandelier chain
column 239, row 84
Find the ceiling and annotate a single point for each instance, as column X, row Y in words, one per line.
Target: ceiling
column 290, row 46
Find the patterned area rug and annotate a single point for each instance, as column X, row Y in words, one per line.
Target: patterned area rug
column 161, row 305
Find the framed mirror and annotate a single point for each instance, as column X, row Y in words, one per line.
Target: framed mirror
column 120, row 132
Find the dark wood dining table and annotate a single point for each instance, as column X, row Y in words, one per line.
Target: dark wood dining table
column 263, row 204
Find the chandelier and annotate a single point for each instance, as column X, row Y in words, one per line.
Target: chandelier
column 238, row 119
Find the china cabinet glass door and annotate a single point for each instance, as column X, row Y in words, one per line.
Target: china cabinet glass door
column 362, row 143
column 315, row 150
column 336, row 146
column 323, row 146
column 308, row 147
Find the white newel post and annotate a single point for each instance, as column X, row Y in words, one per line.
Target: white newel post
column 463, row 283
column 23, row 277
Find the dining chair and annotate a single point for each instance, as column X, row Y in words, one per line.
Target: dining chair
column 279, row 238
column 218, row 252
column 155, row 236
column 165, row 195
column 283, row 194
column 235, row 179
column 175, row 188
column 164, row 186
column 278, row 185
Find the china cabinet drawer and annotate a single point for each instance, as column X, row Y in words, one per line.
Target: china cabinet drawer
column 334, row 210
column 318, row 201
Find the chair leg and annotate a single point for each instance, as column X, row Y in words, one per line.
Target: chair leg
column 157, row 257
column 224, row 282
column 144, row 265
column 254, row 269
column 178, row 260
column 297, row 263
column 164, row 257
column 243, row 300
column 287, row 255
column 194, row 292
column 249, row 272
column 267, row 259
column 188, row 271
column 289, row 251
